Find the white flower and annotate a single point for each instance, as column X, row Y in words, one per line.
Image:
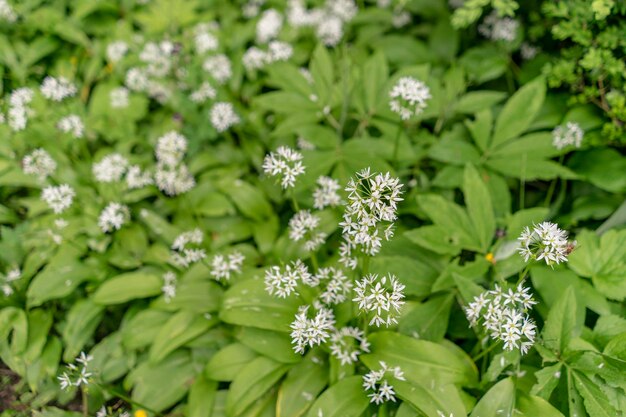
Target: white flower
column 203, row 93
column 73, row 125
column 39, row 163
column 186, row 248
column 205, row 41
column 308, row 332
column 171, row 148
column 119, row 98
column 528, row 51
column 279, row 51
column 76, row 375
column 6, row 12
column 299, row 16
column 58, row 198
column 218, row 66
column 12, row 275
column 222, row 267
column 286, row 164
column 283, row 282
column 498, row 28
column 254, row 58
column 343, row 9
column 20, row 97
column 223, row 116
column 136, row 178
column 571, row 134
column 136, row 79
column 330, row 30
column 374, row 297
column 545, row 241
column 304, row 144
column 268, row 26
column 408, row 97
column 372, row 202
column 400, row 19
column 56, row 89
column 116, row 51
column 111, row 168
column 338, row 285
column 304, row 223
column 113, row 217
column 251, row 8
column 18, row 108
column 326, row 193
column 173, row 180
column 376, row 380
column 169, row 286
column 157, row 57
column 347, row 344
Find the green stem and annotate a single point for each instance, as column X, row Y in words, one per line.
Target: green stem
column 382, row 410
column 316, row 265
column 396, row 145
column 522, row 275
column 485, row 352
column 294, row 203
column 83, row 394
column 552, row 187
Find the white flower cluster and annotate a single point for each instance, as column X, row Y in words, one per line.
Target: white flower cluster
column 113, row 217
column 504, row 315
column 376, row 380
column 408, row 97
column 255, row 58
column 158, row 61
column 186, row 250
column 347, row 344
column 57, row 89
column 172, row 175
column 157, row 57
column 6, row 12
column 119, row 98
column 76, row 375
column 204, row 41
column 338, row 286
column 39, row 163
column 136, row 178
column 219, row 68
column 545, row 241
column 328, row 21
column 73, row 125
column 223, row 266
column 498, row 28
column 571, row 134
column 12, row 275
column 203, row 93
column 325, row 194
column 528, row 51
column 116, row 51
column 111, row 168
column 223, row 116
column 372, row 200
column 286, row 164
column 169, row 286
column 102, row 412
column 18, row 108
column 283, row 281
column 269, row 25
column 309, row 332
column 374, row 297
column 302, row 224
column 59, row 198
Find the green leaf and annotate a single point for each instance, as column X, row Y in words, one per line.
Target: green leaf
column 531, row 406
column 346, row 398
column 428, row 320
column 528, row 168
column 129, row 286
column 454, row 151
column 479, row 207
column 248, row 304
column 519, row 112
column 201, row 398
column 451, row 218
column 375, row 72
column 560, row 326
column 178, row 330
column 254, row 380
column 596, row 402
column 57, row 280
column 415, row 275
column 434, row 238
column 272, row 344
column 141, row 329
column 484, row 63
column 82, row 320
column 478, row 101
column 250, row 201
column 598, row 166
column 480, row 128
column 432, row 401
column 303, row 384
column 547, row 381
column 423, row 362
column 227, row 363
column 498, row 401
column 322, row 72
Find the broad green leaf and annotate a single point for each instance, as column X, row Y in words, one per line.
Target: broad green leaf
column 39, row 324
column 531, row 406
column 285, row 102
column 275, row 345
column 375, row 72
column 536, row 145
column 428, row 320
column 598, row 166
column 415, row 275
column 423, row 362
column 484, row 63
column 596, row 402
column 524, row 218
column 519, row 112
column 560, row 326
column 178, row 330
column 302, row 385
column 478, row 101
column 498, row 401
column 249, row 200
column 547, row 381
column 480, row 128
column 14, row 320
column 254, row 380
column 248, row 304
column 527, row 167
column 142, row 329
column 454, row 151
column 432, row 401
column 82, row 320
column 227, row 363
column 434, row 238
column 57, row 280
column 129, row 286
column 198, row 296
column 201, row 398
column 479, row 207
column 346, row 398
column 322, row 71
column 452, row 218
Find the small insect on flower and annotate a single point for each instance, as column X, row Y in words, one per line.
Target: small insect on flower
column 409, row 97
column 283, row 281
column 570, row 135
column 113, row 217
column 308, row 332
column 59, row 198
column 374, row 297
column 223, row 116
column 39, row 163
column 376, row 380
column 347, row 344
column 286, row 164
column 545, row 241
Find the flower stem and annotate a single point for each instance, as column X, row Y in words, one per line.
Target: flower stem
column 485, row 352
column 83, row 394
column 396, row 145
column 552, row 187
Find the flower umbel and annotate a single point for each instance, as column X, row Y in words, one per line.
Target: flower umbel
column 77, row 373
column 545, row 241
column 186, row 250
column 571, row 134
column 311, row 331
column 283, row 282
column 374, row 297
column 286, row 164
column 347, row 344
column 408, row 97
column 376, row 380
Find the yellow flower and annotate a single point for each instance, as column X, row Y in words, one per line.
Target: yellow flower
column 490, row 258
column 141, row 413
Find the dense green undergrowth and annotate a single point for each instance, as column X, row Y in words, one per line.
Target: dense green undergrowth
column 310, row 208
